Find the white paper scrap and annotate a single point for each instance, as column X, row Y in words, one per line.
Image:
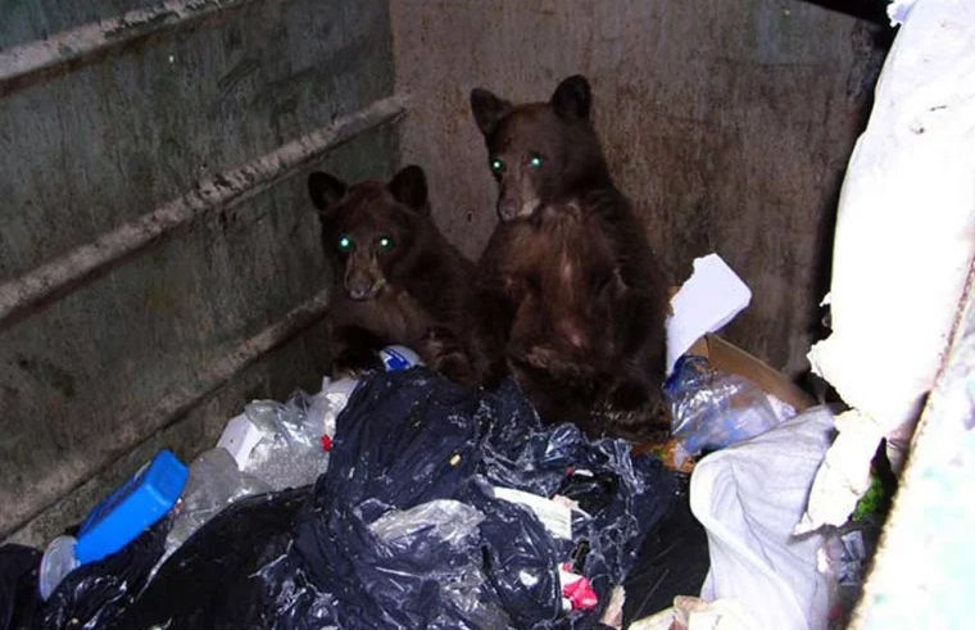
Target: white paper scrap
column 708, row 300
column 239, row 438
column 554, row 516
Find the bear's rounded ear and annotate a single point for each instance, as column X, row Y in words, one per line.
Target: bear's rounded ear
column 325, row 191
column 572, row 98
column 409, row 187
column 488, row 110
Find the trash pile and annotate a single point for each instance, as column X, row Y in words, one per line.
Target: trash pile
column 402, row 500
column 434, row 506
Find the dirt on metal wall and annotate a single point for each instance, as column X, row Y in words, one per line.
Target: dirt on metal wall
column 165, row 147
column 728, row 123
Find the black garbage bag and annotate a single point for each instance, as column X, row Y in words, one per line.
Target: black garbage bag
column 19, row 597
column 93, row 595
column 673, row 561
column 220, row 577
column 405, row 529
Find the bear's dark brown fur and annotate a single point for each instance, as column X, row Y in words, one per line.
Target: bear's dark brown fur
column 398, row 281
column 572, row 300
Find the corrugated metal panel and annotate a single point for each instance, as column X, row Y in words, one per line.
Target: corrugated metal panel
column 155, row 239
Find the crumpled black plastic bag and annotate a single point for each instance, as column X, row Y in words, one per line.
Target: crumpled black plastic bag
column 234, row 572
column 674, row 560
column 19, row 597
column 310, row 557
column 91, row 596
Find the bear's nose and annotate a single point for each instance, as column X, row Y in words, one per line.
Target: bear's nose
column 508, row 208
column 359, row 288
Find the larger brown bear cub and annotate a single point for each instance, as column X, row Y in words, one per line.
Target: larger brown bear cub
column 571, row 297
column 398, row 280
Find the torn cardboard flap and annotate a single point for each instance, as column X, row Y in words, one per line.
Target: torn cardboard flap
column 729, row 358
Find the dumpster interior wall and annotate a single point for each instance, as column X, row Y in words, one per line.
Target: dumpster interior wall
column 160, row 265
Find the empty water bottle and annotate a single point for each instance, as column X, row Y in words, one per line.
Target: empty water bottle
column 713, row 409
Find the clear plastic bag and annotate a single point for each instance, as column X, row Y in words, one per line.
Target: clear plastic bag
column 427, row 526
column 448, row 520
column 713, row 409
column 290, row 454
column 213, row 484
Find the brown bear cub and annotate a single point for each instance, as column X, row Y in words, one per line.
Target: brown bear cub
column 398, row 281
column 571, row 298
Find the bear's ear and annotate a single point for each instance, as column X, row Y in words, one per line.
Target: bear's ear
column 325, row 191
column 409, row 187
column 571, row 100
column 488, row 110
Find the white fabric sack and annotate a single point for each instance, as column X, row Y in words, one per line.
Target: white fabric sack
column 904, row 241
column 749, row 497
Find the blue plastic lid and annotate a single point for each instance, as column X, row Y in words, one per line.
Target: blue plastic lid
column 132, row 508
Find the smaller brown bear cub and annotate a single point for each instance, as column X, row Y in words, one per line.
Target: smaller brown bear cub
column 571, row 296
column 398, row 281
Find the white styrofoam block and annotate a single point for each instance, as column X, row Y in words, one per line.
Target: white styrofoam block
column 239, row 438
column 707, row 301
column 903, row 248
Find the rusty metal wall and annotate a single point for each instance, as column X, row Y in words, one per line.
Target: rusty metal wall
column 159, row 263
column 728, row 123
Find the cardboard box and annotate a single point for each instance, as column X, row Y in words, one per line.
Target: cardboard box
column 729, row 358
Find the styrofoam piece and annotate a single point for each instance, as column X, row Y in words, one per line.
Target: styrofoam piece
column 903, row 247
column 239, row 438
column 707, row 301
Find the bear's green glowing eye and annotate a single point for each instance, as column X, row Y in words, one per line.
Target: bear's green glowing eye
column 536, row 161
column 386, row 243
column 345, row 243
column 496, row 165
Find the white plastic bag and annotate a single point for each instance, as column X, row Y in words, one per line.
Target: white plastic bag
column 749, row 497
